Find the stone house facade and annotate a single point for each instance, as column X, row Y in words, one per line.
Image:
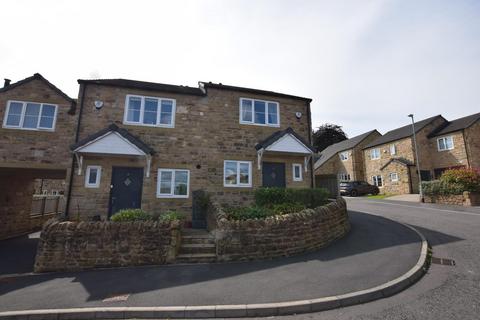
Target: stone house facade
column 153, row 146
column 38, row 123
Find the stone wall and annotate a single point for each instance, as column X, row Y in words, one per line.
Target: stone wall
column 279, row 236
column 467, row 199
column 472, row 140
column 68, row 246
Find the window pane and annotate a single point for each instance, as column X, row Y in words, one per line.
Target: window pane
column 31, row 115
column 449, row 142
column 14, row 114
column 441, row 144
column 244, row 173
column 259, row 111
column 247, row 110
column 47, row 117
column 134, row 105
column 272, row 113
column 230, row 173
column 166, row 112
column 92, row 178
column 166, row 182
column 297, row 171
column 379, row 181
column 181, row 182
column 150, row 111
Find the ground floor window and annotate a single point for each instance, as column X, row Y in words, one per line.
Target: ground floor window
column 92, row 176
column 297, row 172
column 394, row 177
column 173, row 183
column 237, row 173
column 377, row 181
column 344, row 177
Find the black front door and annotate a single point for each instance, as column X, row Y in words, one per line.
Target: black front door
column 273, row 174
column 126, row 189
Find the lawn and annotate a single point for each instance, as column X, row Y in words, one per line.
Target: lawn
column 378, row 196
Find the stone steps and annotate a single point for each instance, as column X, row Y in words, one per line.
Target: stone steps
column 197, row 246
column 196, row 258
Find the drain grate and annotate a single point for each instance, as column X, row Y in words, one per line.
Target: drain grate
column 116, row 298
column 443, row 261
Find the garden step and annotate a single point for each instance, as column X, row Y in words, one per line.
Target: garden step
column 196, row 258
column 198, row 248
column 196, row 240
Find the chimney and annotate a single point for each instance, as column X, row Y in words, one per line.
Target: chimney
column 6, row 83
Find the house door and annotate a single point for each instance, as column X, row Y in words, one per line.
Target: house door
column 126, row 189
column 273, row 174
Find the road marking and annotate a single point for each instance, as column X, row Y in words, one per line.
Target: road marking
column 428, row 208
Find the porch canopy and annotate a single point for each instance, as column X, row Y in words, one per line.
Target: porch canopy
column 112, row 141
column 285, row 142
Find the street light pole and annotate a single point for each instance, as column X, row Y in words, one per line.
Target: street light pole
column 416, row 156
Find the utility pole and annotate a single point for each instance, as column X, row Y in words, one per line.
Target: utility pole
column 416, row 156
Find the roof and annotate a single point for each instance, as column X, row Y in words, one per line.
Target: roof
column 143, row 85
column 402, row 132
column 38, row 76
column 402, row 161
column 456, row 125
column 333, row 149
column 250, row 90
column 114, row 128
column 278, row 135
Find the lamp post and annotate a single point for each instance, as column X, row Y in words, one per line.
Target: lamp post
column 416, row 156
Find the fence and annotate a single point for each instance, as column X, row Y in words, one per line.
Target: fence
column 42, row 205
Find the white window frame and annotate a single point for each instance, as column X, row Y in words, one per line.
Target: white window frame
column 87, row 177
column 172, row 186
column 299, row 166
column 22, row 116
column 393, row 149
column 444, row 139
column 238, row 184
column 142, row 111
column 375, row 181
column 344, row 155
column 344, row 177
column 394, row 174
column 266, row 124
column 372, row 151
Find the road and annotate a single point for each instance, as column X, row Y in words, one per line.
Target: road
column 445, row 292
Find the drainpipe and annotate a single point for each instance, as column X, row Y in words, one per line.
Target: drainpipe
column 72, row 168
column 312, row 174
column 466, row 148
column 418, row 162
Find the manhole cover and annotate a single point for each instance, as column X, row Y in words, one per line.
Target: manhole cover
column 443, row 261
column 116, row 298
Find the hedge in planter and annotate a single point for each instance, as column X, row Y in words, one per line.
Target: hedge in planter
column 310, row 198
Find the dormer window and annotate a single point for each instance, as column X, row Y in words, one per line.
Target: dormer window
column 259, row 112
column 30, row 116
column 149, row 111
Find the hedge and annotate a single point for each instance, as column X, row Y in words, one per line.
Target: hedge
column 310, row 198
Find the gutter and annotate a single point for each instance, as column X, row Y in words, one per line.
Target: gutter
column 72, row 168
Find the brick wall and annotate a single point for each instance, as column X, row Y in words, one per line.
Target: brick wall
column 69, row 246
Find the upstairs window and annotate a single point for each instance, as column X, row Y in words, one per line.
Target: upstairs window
column 30, row 116
column 149, row 111
column 393, row 149
column 259, row 112
column 344, row 155
column 445, row 143
column 375, row 154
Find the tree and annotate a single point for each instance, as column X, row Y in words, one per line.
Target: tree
column 326, row 135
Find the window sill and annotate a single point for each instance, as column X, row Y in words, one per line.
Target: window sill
column 29, row 129
column 164, row 196
column 148, row 125
column 260, row 124
column 237, row 186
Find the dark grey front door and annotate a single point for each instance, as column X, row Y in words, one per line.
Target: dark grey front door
column 126, row 190
column 273, row 174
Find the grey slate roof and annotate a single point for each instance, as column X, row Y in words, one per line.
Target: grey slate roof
column 402, row 132
column 456, row 125
column 332, row 150
column 38, row 76
column 279, row 134
column 123, row 132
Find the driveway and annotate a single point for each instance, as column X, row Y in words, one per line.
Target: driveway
column 17, row 255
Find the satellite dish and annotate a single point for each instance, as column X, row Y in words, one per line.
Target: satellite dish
column 298, row 115
column 98, row 104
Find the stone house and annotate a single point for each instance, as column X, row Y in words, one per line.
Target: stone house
column 38, row 124
column 158, row 147
column 343, row 161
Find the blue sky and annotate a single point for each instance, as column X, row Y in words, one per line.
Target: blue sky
column 365, row 64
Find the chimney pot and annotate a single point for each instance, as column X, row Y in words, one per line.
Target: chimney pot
column 6, row 83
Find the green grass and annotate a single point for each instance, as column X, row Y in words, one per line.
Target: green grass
column 378, row 196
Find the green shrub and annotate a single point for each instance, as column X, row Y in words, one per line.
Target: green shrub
column 245, row 213
column 310, row 198
column 170, row 216
column 130, row 215
column 286, row 208
column 467, row 179
column 438, row 187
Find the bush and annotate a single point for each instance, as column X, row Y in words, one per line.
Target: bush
column 438, row 187
column 286, row 208
column 168, row 216
column 467, row 179
column 310, row 198
column 130, row 215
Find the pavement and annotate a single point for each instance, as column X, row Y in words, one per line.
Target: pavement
column 405, row 197
column 375, row 251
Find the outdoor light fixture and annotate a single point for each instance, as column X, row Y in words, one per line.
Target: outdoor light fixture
column 416, row 157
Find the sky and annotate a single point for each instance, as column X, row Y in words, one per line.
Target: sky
column 366, row 64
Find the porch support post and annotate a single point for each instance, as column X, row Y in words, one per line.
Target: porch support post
column 259, row 158
column 306, row 159
column 149, row 162
column 80, row 163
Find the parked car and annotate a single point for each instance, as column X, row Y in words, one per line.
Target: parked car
column 357, row 188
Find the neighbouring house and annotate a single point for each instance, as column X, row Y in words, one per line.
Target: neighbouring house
column 156, row 146
column 343, row 161
column 456, row 144
column 38, row 124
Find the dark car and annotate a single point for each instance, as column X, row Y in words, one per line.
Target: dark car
column 357, row 188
